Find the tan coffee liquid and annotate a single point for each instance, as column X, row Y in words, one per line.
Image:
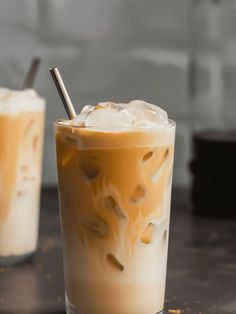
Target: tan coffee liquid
column 114, row 199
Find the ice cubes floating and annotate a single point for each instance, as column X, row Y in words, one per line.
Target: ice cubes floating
column 135, row 114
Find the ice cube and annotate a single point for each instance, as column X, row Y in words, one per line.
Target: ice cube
column 147, row 234
column 81, row 118
column 113, row 206
column 147, row 156
column 110, row 105
column 96, row 225
column 139, row 194
column 145, row 114
column 91, row 168
column 88, row 108
column 137, row 113
column 114, row 262
column 109, row 118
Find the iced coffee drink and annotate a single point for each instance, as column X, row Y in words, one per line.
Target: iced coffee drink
column 115, row 170
column 21, row 129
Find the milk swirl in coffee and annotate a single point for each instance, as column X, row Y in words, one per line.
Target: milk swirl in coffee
column 115, row 171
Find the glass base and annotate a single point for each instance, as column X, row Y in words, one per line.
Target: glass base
column 70, row 309
column 14, row 259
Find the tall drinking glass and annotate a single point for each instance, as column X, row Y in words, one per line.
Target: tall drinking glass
column 114, row 190
column 21, row 142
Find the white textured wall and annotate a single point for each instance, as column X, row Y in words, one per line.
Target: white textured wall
column 106, row 49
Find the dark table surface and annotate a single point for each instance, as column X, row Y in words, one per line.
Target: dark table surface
column 201, row 269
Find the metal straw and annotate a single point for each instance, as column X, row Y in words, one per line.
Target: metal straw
column 31, row 74
column 63, row 93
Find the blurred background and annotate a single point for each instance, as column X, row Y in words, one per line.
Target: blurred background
column 106, row 50
column 180, row 55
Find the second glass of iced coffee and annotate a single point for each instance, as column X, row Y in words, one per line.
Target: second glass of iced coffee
column 21, row 145
column 115, row 170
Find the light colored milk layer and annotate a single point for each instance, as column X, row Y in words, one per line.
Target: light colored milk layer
column 21, row 129
column 114, row 190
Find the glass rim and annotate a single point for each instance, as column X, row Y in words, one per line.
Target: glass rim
column 61, row 123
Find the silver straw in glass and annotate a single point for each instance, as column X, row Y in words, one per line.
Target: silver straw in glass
column 63, row 93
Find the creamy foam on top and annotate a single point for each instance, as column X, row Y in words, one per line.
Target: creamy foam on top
column 16, row 101
column 135, row 114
